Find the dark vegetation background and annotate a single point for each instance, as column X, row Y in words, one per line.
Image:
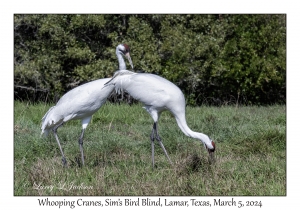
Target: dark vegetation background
column 215, row 59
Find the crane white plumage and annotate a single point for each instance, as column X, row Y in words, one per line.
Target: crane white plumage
column 81, row 103
column 158, row 94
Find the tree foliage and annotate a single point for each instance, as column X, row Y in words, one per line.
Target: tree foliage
column 214, row 58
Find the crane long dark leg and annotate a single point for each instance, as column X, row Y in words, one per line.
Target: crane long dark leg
column 152, row 138
column 161, row 145
column 81, row 145
column 56, row 137
column 157, row 137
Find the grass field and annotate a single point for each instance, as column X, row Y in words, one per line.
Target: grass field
column 250, row 153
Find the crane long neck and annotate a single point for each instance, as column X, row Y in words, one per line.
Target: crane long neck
column 181, row 121
column 122, row 64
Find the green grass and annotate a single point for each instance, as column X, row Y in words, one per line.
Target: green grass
column 250, row 153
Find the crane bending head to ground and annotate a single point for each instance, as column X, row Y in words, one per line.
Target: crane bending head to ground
column 81, row 103
column 158, row 95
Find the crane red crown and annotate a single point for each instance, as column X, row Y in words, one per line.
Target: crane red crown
column 126, row 47
column 213, row 143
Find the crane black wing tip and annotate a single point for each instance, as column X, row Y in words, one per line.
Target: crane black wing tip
column 118, row 73
column 108, row 83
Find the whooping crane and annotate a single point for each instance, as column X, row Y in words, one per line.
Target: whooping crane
column 158, row 95
column 81, row 103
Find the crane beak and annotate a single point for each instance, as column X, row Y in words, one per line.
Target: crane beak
column 211, row 153
column 211, row 158
column 127, row 55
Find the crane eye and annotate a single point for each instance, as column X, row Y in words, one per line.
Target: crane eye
column 123, row 51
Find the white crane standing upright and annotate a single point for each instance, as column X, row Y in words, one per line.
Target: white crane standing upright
column 158, row 95
column 81, row 103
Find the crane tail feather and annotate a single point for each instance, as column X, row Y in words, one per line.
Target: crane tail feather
column 45, row 122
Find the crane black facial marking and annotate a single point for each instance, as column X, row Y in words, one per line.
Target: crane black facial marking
column 213, row 149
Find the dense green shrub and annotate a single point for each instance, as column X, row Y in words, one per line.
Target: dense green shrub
column 214, row 59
